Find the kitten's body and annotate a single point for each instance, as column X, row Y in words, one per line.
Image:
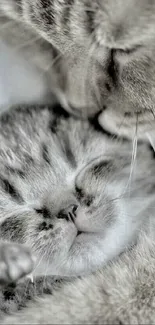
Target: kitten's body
column 58, row 177
column 68, row 193
column 121, row 293
column 96, row 55
column 106, row 61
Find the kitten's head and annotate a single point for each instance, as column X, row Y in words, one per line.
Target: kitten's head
column 107, row 57
column 60, row 207
column 61, row 181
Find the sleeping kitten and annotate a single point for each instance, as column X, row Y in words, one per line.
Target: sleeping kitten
column 121, row 293
column 97, row 55
column 69, row 192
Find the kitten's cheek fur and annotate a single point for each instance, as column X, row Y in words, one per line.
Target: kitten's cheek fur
column 58, row 249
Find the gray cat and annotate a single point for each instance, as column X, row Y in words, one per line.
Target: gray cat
column 121, row 293
column 69, row 192
column 98, row 56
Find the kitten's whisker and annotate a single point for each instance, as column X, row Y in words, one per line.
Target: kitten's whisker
column 116, row 198
column 26, row 288
column 41, row 255
column 47, row 264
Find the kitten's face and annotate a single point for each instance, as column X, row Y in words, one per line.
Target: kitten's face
column 59, row 184
column 108, row 52
column 63, row 207
column 64, row 210
column 63, row 190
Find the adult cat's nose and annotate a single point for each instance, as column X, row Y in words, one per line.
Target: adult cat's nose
column 68, row 213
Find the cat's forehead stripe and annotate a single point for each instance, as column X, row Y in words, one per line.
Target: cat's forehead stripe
column 10, row 189
column 69, row 153
column 45, row 153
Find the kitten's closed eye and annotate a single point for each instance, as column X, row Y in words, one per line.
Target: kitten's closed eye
column 44, row 211
column 84, row 198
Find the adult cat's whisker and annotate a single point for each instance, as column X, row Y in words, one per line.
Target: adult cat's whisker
column 29, row 42
column 84, row 88
column 121, row 123
column 96, row 91
column 91, row 49
column 48, row 67
column 134, row 153
column 119, row 127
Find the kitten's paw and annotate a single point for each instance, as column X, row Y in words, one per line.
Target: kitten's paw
column 15, row 262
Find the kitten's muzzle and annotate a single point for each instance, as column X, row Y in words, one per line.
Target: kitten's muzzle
column 68, row 213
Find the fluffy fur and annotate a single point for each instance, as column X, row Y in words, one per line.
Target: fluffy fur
column 97, row 55
column 122, row 293
column 69, row 192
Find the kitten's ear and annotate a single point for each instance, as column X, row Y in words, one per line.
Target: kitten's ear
column 108, row 163
column 97, row 168
column 106, row 166
column 101, row 166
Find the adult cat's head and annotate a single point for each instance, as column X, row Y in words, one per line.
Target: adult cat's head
column 109, row 56
column 105, row 50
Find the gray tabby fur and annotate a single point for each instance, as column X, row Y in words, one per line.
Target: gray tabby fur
column 97, row 55
column 51, row 163
column 122, row 293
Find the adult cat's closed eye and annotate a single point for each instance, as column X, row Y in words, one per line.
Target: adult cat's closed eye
column 99, row 54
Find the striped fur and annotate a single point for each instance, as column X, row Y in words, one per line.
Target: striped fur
column 69, row 193
column 97, row 55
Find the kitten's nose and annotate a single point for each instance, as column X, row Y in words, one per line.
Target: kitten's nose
column 68, row 213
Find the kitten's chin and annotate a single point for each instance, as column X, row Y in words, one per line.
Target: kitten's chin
column 50, row 259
